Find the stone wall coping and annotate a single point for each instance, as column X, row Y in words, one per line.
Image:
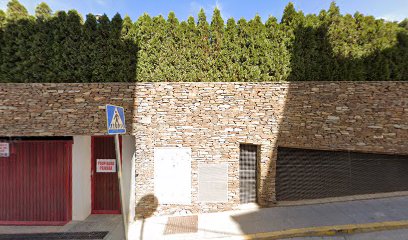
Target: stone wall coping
column 209, row 83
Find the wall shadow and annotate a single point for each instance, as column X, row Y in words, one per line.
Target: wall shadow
column 334, row 116
column 146, row 206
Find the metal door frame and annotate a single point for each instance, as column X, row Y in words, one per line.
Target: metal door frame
column 93, row 171
column 257, row 168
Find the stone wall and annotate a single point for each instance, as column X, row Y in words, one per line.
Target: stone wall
column 60, row 109
column 213, row 119
column 368, row 117
column 210, row 118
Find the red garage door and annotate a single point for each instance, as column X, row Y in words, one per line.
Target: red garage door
column 35, row 186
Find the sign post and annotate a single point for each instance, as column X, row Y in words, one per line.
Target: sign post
column 115, row 117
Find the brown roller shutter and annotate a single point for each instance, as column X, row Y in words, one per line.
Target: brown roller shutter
column 310, row 174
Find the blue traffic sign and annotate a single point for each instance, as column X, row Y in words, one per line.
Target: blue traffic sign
column 115, row 117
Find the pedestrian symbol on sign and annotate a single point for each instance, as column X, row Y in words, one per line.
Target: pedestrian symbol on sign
column 115, row 119
column 116, row 122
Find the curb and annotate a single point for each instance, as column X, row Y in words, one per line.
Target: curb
column 326, row 230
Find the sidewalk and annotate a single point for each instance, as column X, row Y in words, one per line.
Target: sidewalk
column 112, row 224
column 244, row 224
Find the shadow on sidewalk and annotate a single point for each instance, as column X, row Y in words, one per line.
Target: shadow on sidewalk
column 145, row 208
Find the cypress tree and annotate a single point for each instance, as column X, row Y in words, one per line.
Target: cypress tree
column 203, row 29
column 399, row 54
column 116, row 26
column 216, row 40
column 186, row 53
column 217, row 30
column 258, row 49
column 66, row 61
column 116, row 54
column 43, row 11
column 229, row 60
column 278, row 54
column 102, row 71
column 88, row 49
column 58, row 69
column 157, row 52
column 71, row 45
column 183, row 53
column 145, row 54
column 41, row 45
column 17, row 43
column 289, row 14
column 170, row 52
column 203, row 47
column 292, row 23
column 2, row 18
column 341, row 37
column 334, row 11
column 327, row 63
column 404, row 23
column 16, row 11
column 140, row 38
column 329, row 46
column 189, row 50
column 128, row 35
column 243, row 44
column 310, row 41
column 127, row 31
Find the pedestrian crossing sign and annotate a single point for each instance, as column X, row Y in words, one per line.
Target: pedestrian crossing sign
column 115, row 119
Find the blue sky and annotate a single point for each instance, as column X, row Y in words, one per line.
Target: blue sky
column 393, row 10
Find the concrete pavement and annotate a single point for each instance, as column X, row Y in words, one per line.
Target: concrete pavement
column 244, row 224
column 94, row 223
column 345, row 219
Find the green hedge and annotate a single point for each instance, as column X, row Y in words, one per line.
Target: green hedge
column 62, row 47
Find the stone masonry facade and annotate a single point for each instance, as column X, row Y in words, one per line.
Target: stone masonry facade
column 60, row 109
column 213, row 119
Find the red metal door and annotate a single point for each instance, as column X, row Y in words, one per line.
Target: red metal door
column 105, row 189
column 35, row 185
